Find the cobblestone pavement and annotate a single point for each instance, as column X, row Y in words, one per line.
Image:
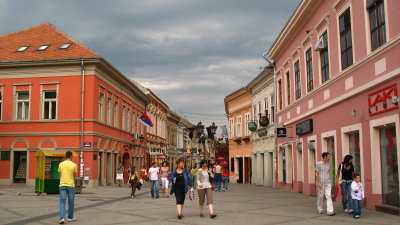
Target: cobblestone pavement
column 242, row 204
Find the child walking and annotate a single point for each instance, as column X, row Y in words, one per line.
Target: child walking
column 357, row 194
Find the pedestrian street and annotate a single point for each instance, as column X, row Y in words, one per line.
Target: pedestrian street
column 242, row 204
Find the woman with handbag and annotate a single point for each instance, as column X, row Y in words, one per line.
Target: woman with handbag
column 133, row 180
column 344, row 177
column 204, row 188
column 180, row 182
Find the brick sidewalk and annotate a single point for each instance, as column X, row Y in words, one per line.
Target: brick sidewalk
column 242, row 204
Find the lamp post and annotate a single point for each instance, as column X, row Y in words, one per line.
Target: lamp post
column 211, row 130
column 200, row 135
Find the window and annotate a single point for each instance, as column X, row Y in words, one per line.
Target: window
column 123, row 117
column 109, row 111
column 231, row 128
column 43, row 47
column 376, row 11
column 280, row 94
column 49, row 105
column 288, row 87
column 239, row 126
column 255, row 113
column 310, row 77
column 297, row 79
column 137, row 124
column 266, row 105
column 101, row 107
column 324, row 59
column 272, row 108
column 247, row 121
column 116, row 111
column 232, row 164
column 259, row 112
column 22, row 48
column 128, row 121
column 345, row 39
column 1, row 101
column 65, row 46
column 22, row 105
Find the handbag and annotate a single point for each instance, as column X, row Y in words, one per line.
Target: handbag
column 340, row 174
column 211, row 179
column 191, row 194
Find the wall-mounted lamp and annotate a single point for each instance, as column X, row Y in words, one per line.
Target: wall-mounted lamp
column 354, row 113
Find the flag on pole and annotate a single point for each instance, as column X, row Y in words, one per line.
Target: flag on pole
column 145, row 120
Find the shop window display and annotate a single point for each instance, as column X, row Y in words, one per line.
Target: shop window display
column 390, row 166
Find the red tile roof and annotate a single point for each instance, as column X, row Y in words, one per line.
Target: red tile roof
column 36, row 37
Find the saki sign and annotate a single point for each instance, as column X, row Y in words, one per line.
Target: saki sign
column 380, row 100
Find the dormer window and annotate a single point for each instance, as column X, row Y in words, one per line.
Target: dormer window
column 23, row 48
column 65, row 46
column 43, row 47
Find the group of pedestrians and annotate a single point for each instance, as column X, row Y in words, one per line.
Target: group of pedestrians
column 221, row 177
column 350, row 184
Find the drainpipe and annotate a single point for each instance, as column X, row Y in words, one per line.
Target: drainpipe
column 275, row 116
column 82, row 117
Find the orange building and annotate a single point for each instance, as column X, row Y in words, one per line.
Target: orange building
column 58, row 95
column 238, row 109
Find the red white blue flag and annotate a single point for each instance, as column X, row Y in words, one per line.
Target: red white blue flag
column 145, row 119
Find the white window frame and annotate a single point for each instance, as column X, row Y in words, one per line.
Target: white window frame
column 50, row 105
column 23, row 104
column 239, row 126
column 231, row 133
column 116, row 113
column 137, row 124
column 101, row 106
column 272, row 110
column 247, row 121
column 109, row 110
column 128, row 121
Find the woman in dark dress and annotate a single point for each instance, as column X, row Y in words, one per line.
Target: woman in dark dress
column 346, row 169
column 180, row 182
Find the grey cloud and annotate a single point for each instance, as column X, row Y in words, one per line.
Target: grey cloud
column 203, row 49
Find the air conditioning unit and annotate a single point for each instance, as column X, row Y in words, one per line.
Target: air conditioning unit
column 321, row 44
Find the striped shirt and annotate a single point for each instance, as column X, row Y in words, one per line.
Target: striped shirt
column 323, row 172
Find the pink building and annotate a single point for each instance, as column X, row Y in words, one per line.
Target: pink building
column 337, row 77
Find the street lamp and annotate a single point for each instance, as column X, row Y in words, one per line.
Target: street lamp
column 201, row 136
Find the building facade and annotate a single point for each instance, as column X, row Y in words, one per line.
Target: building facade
column 57, row 95
column 263, row 138
column 172, row 137
column 238, row 108
column 337, row 71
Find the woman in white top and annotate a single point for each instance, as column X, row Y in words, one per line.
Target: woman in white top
column 164, row 178
column 204, row 188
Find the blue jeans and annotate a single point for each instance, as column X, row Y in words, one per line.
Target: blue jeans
column 346, row 191
column 64, row 191
column 154, row 187
column 225, row 180
column 218, row 180
column 357, row 205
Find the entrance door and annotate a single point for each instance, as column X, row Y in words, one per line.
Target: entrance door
column 331, row 149
column 390, row 166
column 262, row 169
column 100, row 166
column 125, row 159
column 108, row 169
column 311, row 171
column 240, row 164
column 246, row 170
column 284, row 165
column 19, row 175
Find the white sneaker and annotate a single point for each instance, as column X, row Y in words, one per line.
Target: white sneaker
column 71, row 220
column 350, row 211
column 346, row 210
column 61, row 221
column 321, row 211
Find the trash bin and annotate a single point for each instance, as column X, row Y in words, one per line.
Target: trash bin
column 78, row 185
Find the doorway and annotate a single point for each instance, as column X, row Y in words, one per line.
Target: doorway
column 19, row 166
column 108, row 168
column 126, row 162
column 311, row 168
column 240, row 165
column 247, row 170
column 100, row 166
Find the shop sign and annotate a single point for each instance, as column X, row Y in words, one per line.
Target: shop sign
column 304, row 127
column 87, row 144
column 380, row 100
column 281, row 132
column 161, row 156
column 262, row 132
column 252, row 126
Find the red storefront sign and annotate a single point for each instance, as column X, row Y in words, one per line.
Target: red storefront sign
column 381, row 100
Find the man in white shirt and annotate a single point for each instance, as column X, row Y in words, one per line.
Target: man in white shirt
column 154, row 172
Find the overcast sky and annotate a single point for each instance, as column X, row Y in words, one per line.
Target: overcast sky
column 190, row 53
